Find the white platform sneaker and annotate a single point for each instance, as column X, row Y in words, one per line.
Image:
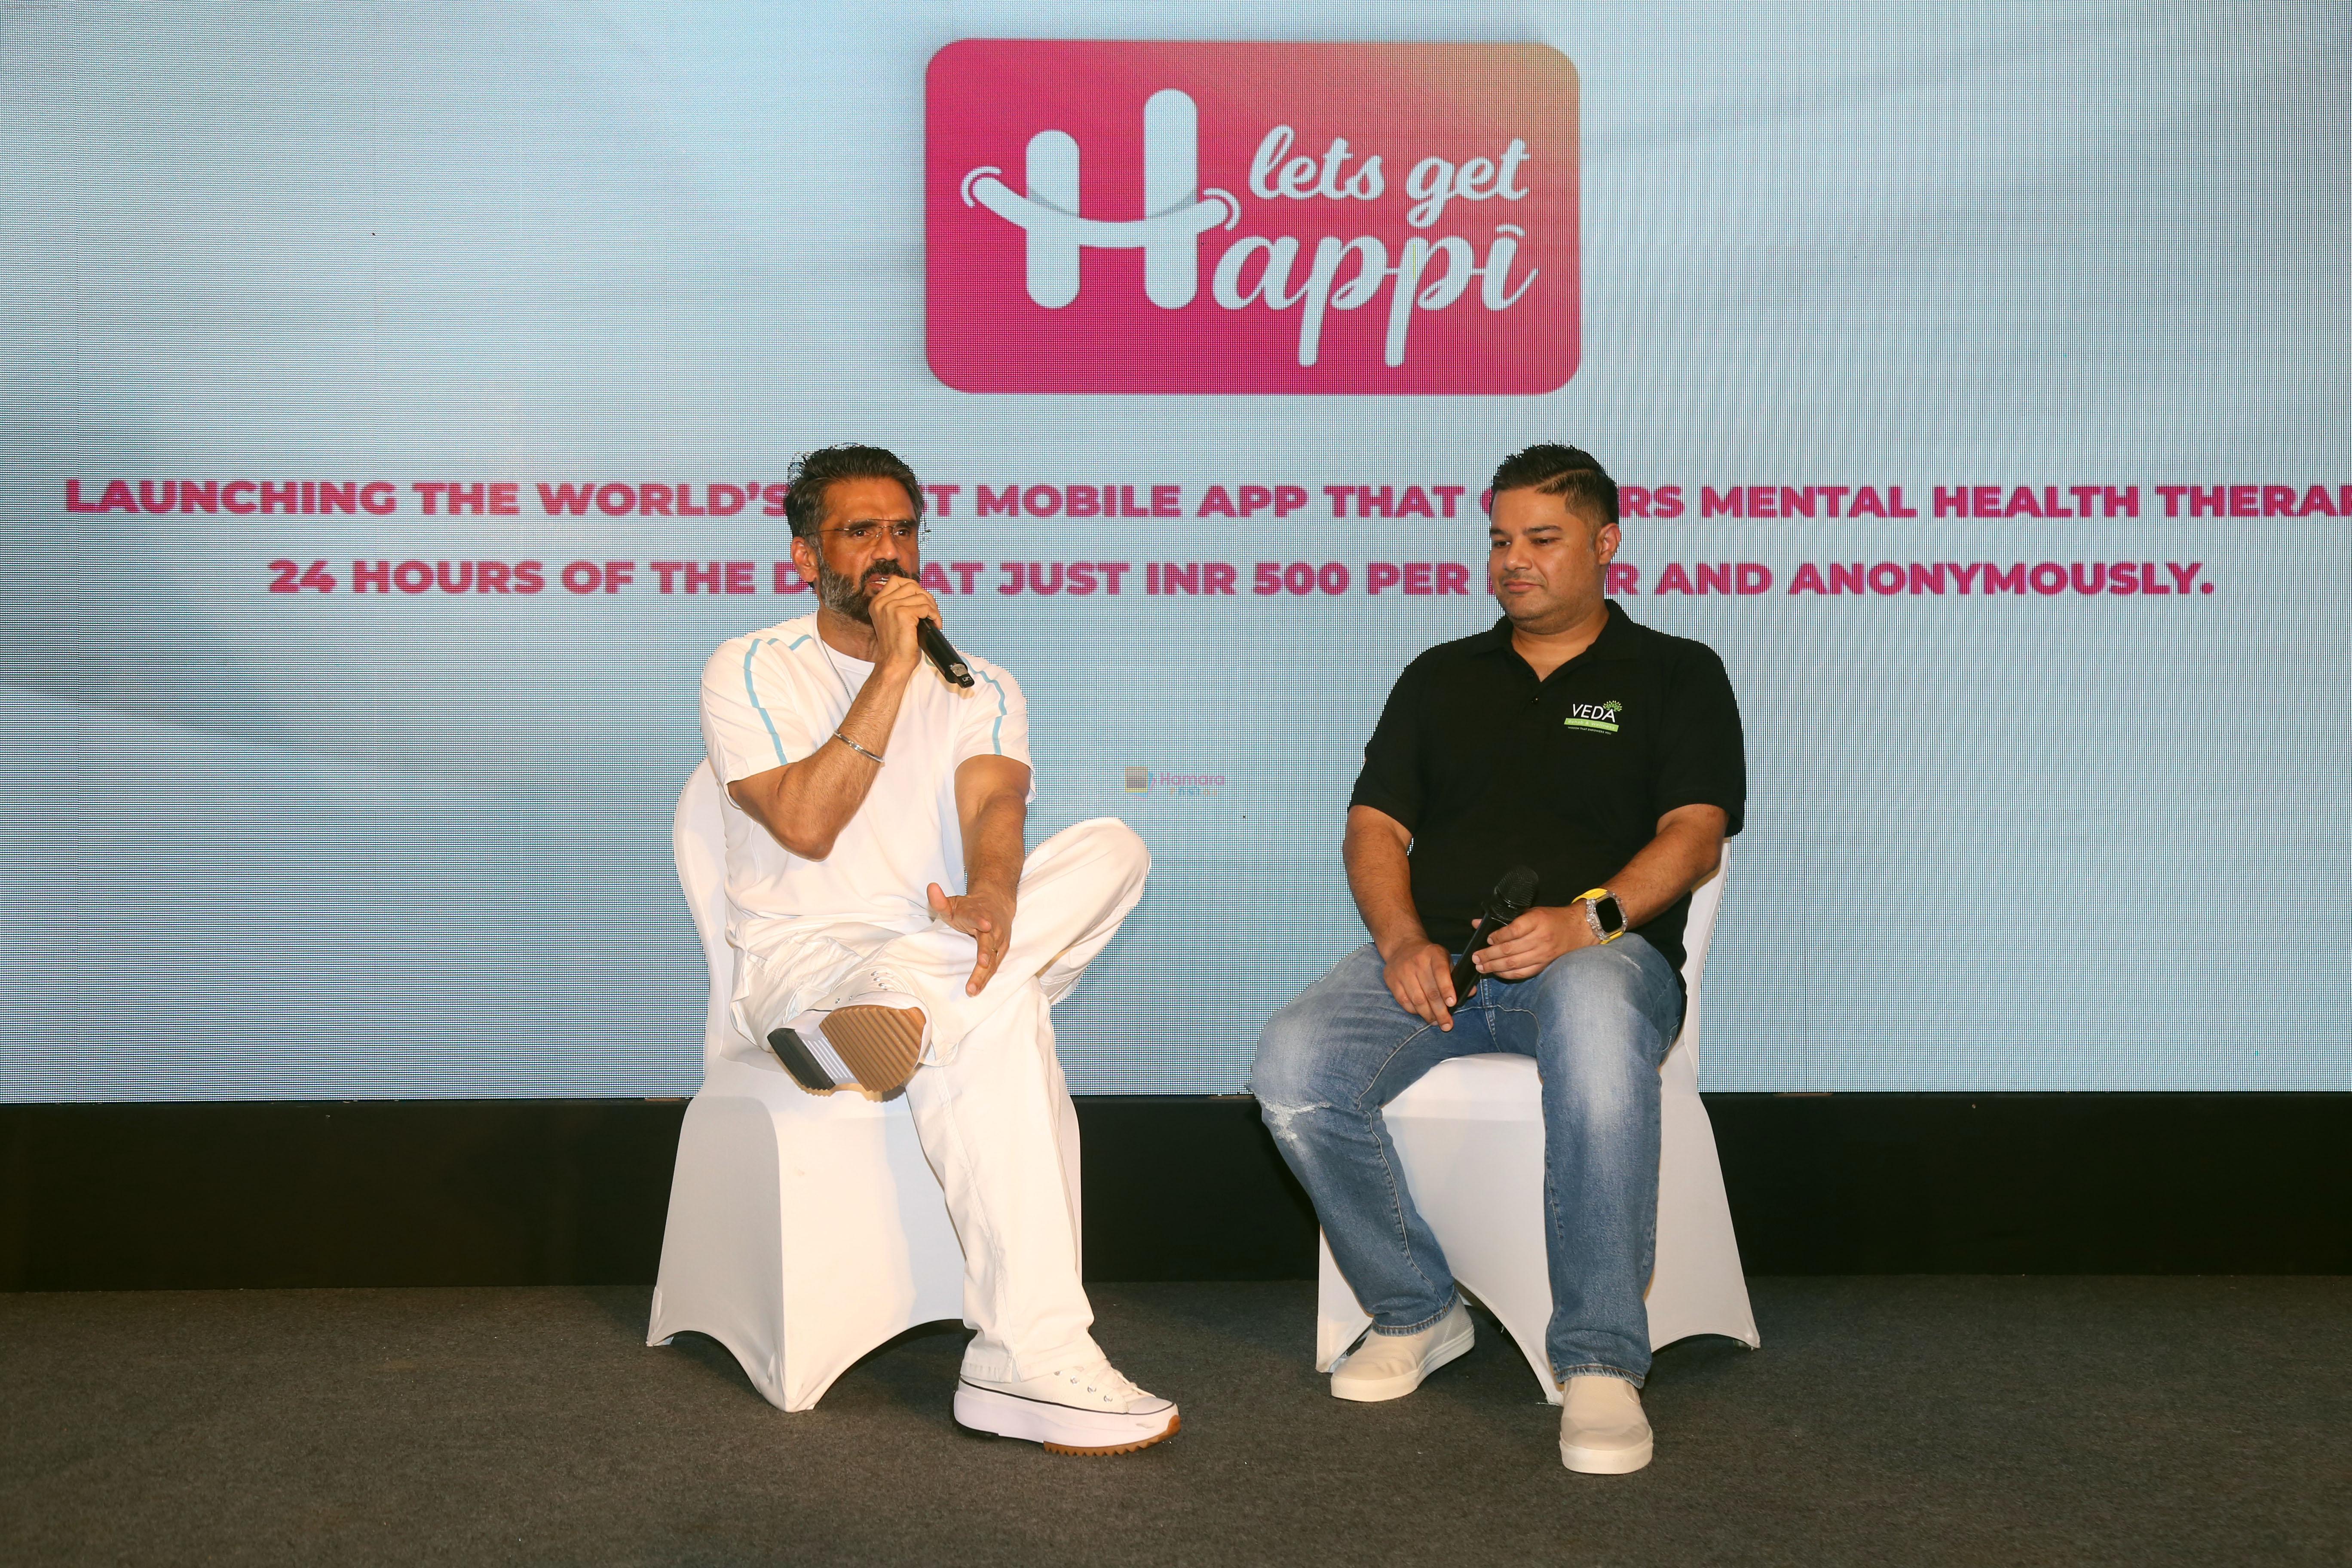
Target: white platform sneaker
column 869, row 1034
column 1389, row 1366
column 1603, row 1431
column 1089, row 1410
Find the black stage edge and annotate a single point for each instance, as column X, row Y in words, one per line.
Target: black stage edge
column 410, row 1193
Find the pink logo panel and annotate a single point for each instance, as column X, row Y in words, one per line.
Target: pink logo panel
column 1121, row 218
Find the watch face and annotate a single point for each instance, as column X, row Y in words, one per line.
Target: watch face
column 1612, row 916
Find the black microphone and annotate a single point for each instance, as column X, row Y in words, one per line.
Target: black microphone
column 1514, row 896
column 943, row 656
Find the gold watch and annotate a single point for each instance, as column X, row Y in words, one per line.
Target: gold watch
column 1604, row 914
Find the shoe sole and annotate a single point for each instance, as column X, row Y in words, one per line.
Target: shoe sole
column 800, row 1064
column 1061, row 1430
column 1369, row 1393
column 1604, row 1461
column 881, row 1045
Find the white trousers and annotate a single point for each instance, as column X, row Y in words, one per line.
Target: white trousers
column 989, row 1101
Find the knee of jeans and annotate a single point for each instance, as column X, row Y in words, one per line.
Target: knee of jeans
column 1288, row 1052
column 1591, row 1000
column 1293, row 1123
column 1591, row 980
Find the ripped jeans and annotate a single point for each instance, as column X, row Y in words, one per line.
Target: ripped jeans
column 1598, row 1022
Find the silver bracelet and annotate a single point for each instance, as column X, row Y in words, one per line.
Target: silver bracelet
column 858, row 748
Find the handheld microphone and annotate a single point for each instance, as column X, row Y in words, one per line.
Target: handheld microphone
column 928, row 636
column 941, row 653
column 1514, row 896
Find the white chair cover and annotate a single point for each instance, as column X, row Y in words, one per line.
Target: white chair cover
column 803, row 1230
column 1471, row 1137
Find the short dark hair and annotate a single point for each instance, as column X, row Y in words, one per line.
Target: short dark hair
column 1570, row 473
column 814, row 473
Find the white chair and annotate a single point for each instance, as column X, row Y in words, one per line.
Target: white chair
column 803, row 1230
column 1470, row 1135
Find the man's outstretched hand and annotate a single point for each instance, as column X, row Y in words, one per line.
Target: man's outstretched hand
column 984, row 915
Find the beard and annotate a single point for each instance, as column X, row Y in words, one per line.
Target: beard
column 852, row 596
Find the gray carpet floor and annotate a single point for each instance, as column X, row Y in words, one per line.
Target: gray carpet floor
column 2142, row 1421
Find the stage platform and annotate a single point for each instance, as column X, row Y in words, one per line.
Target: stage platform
column 1913, row 1420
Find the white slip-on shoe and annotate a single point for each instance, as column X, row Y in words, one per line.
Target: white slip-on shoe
column 1603, row 1431
column 1389, row 1366
column 1087, row 1409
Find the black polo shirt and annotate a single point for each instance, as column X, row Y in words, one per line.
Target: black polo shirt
column 1491, row 768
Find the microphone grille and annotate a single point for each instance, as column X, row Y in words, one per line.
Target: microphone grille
column 1517, row 887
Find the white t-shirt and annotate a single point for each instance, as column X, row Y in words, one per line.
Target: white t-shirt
column 772, row 698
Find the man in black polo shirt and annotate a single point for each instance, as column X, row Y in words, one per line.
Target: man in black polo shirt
column 1607, row 757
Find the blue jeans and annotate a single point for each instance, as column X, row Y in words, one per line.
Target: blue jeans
column 1598, row 1022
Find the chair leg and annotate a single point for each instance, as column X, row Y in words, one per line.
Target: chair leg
column 723, row 1263
column 1698, row 1286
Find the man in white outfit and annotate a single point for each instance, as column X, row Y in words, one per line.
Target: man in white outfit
column 866, row 788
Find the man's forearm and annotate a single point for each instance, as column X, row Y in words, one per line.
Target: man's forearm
column 806, row 805
column 1686, row 849
column 992, row 846
column 1684, row 853
column 1380, row 875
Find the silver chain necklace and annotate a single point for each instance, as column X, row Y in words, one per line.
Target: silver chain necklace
column 848, row 697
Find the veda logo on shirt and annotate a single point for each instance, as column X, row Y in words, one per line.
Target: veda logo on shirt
column 1252, row 217
column 1598, row 717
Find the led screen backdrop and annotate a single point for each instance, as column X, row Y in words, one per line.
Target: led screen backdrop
column 396, row 397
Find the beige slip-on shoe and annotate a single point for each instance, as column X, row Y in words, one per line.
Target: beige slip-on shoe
column 1389, row 1366
column 1603, row 1431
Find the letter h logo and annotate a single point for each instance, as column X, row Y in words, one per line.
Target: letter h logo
column 1063, row 253
column 1174, row 213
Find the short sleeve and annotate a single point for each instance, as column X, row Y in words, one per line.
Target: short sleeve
column 994, row 720
column 749, row 724
column 1703, row 759
column 1391, row 782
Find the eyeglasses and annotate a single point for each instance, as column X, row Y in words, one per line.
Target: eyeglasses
column 905, row 531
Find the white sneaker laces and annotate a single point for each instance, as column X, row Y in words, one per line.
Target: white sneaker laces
column 1103, row 1381
column 888, row 980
